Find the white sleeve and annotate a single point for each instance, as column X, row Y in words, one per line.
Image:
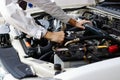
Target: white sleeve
column 15, row 16
column 51, row 8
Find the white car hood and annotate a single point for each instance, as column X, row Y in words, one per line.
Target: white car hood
column 65, row 4
column 74, row 3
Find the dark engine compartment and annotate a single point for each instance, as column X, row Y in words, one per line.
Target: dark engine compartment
column 99, row 41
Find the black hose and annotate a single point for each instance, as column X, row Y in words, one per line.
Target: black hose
column 94, row 30
column 99, row 37
column 46, row 55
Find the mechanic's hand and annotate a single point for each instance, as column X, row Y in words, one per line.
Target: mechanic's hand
column 55, row 36
column 78, row 24
column 4, row 40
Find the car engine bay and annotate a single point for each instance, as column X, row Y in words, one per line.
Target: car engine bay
column 99, row 41
column 89, row 54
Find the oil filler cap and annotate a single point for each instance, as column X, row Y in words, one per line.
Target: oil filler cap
column 113, row 48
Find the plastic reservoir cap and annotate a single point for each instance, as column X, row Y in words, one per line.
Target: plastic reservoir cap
column 30, row 5
column 113, row 48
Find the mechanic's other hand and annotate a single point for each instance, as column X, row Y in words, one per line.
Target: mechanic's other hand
column 78, row 24
column 4, row 40
column 55, row 36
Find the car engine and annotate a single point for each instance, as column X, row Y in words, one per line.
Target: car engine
column 99, row 41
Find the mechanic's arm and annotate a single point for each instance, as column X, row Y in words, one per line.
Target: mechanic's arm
column 54, row 10
column 16, row 17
